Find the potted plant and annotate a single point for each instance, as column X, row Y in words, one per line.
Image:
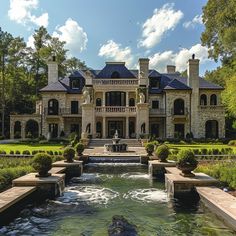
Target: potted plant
column 162, row 153
column 79, row 148
column 69, row 154
column 42, row 163
column 186, row 163
column 149, row 147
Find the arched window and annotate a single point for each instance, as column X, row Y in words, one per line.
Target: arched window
column 75, row 84
column 131, row 102
column 213, row 100
column 179, row 107
column 211, row 129
column 98, row 102
column 53, row 107
column 203, row 100
column 115, row 74
column 32, row 129
column 17, row 129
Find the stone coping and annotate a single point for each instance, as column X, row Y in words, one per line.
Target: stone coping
column 67, row 164
column 31, row 179
column 162, row 164
column 57, row 170
column 220, row 202
column 14, row 195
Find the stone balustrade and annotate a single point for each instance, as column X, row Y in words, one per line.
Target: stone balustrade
column 116, row 109
column 119, row 82
column 212, row 107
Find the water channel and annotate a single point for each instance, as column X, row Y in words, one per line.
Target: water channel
column 104, row 190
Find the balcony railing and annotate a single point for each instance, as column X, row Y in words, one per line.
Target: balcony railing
column 212, row 107
column 61, row 112
column 117, row 109
column 119, row 82
column 160, row 111
column 180, row 112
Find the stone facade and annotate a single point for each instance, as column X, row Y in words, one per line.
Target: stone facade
column 133, row 104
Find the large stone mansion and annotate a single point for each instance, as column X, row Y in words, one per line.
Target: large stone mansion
column 133, row 102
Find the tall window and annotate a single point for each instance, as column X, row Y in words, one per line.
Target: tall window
column 203, row 100
column 155, row 104
column 98, row 102
column 115, row 99
column 213, row 100
column 74, row 107
column 53, row 107
column 131, row 102
column 179, row 107
column 53, row 129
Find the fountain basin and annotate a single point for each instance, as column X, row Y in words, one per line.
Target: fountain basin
column 118, row 147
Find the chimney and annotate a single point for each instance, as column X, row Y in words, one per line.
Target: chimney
column 170, row 69
column 143, row 71
column 193, row 73
column 52, row 70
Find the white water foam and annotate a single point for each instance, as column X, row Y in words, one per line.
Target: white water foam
column 135, row 175
column 88, row 195
column 147, row 195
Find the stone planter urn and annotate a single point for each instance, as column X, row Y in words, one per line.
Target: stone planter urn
column 187, row 169
column 42, row 163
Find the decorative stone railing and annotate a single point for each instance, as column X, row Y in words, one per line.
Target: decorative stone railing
column 212, row 107
column 61, row 112
column 183, row 112
column 160, row 111
column 119, row 82
column 117, row 109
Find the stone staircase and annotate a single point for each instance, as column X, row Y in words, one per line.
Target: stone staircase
column 102, row 142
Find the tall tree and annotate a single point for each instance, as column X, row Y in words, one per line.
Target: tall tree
column 219, row 18
column 5, row 40
column 72, row 64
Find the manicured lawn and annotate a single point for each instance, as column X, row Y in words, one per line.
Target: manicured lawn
column 22, row 147
column 200, row 146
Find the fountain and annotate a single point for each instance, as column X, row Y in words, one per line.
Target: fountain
column 116, row 146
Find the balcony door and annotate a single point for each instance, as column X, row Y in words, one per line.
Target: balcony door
column 113, row 126
column 115, row 98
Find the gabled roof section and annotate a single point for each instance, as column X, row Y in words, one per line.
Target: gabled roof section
column 55, row 87
column 112, row 67
column 153, row 74
column 176, row 85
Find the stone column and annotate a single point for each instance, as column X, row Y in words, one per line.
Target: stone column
column 104, row 127
column 12, row 123
column 103, row 99
column 142, row 117
column 127, row 99
column 23, row 130
column 127, row 127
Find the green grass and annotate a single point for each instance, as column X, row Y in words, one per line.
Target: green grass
column 200, row 146
column 22, row 147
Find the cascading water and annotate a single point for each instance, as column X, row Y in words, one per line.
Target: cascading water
column 91, row 203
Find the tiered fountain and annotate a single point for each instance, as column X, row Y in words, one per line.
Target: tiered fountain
column 116, row 146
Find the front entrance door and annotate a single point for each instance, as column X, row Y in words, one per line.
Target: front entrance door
column 113, row 126
column 155, row 130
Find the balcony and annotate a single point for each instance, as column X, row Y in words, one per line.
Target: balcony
column 115, row 110
column 62, row 112
column 119, row 82
column 158, row 112
column 212, row 107
column 180, row 114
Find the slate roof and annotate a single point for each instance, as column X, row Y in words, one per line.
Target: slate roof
column 167, row 81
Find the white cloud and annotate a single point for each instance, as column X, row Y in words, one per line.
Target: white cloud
column 30, row 42
column 73, row 34
column 159, row 61
column 163, row 20
column 114, row 51
column 191, row 24
column 20, row 12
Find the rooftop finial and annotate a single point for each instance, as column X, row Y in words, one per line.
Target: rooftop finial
column 193, row 56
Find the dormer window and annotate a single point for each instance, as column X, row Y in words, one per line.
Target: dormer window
column 115, row 74
column 154, row 83
column 75, row 84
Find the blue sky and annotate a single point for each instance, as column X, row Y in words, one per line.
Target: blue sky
column 95, row 31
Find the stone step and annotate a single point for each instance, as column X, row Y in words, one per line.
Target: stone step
column 14, row 195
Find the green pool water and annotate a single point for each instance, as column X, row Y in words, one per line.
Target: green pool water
column 89, row 203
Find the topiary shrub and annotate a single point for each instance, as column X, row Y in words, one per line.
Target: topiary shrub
column 232, row 143
column 17, row 152
column 56, row 153
column 186, row 162
column 11, row 152
column 162, row 152
column 26, row 152
column 69, row 154
column 149, row 147
column 79, row 148
column 204, row 151
column 42, row 163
